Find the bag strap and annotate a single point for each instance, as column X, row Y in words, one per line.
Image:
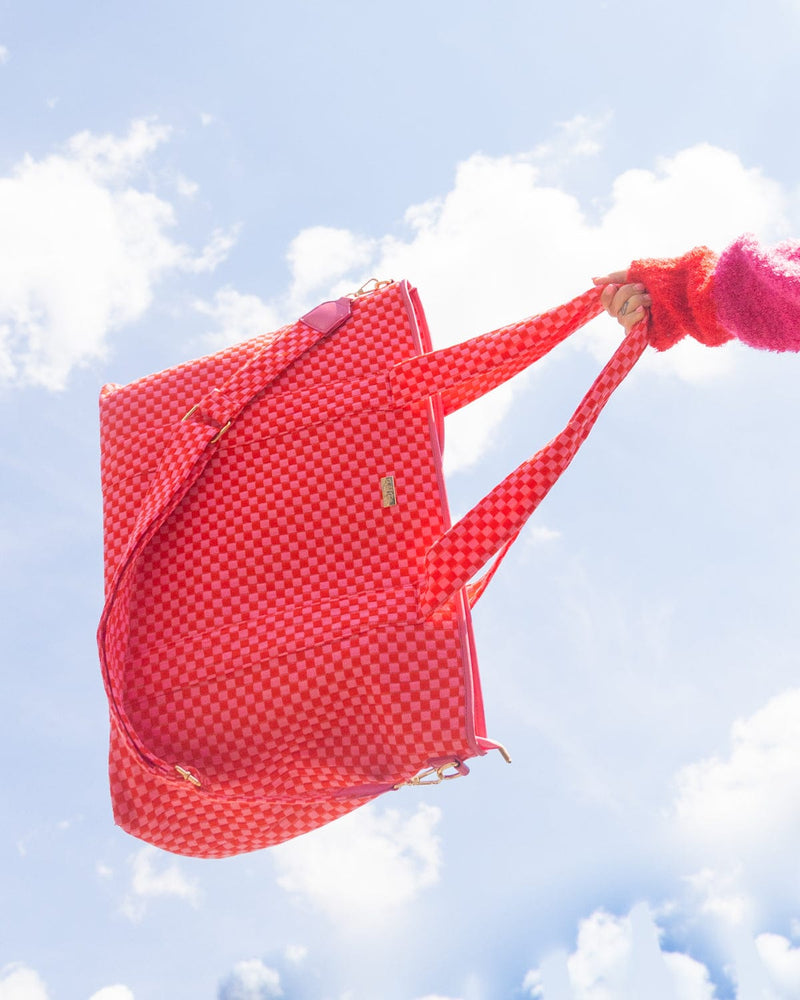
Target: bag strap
column 183, row 460
column 494, row 522
column 464, row 372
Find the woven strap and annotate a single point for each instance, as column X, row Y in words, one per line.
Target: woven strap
column 462, row 373
column 181, row 464
column 494, row 522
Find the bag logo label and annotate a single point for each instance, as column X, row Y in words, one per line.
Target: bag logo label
column 388, row 493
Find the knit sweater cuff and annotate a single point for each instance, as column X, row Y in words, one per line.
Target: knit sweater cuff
column 682, row 290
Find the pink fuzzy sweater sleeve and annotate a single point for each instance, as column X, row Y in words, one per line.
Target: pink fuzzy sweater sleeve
column 757, row 292
column 750, row 292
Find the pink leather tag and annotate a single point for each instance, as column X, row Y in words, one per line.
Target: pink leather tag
column 328, row 316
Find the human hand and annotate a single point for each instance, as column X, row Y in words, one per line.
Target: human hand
column 624, row 301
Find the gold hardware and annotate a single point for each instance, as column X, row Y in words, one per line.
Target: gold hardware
column 373, row 285
column 434, row 775
column 220, row 432
column 187, row 775
column 388, row 492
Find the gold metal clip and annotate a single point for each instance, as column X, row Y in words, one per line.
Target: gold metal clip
column 434, row 775
column 187, row 775
column 219, row 433
column 373, row 285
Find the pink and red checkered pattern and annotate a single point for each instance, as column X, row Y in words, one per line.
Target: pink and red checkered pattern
column 278, row 646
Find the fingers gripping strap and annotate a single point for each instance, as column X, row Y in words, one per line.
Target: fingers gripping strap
column 466, row 371
column 497, row 519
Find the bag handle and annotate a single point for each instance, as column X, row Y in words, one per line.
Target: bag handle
column 463, row 372
column 494, row 523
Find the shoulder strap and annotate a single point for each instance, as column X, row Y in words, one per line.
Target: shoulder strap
column 180, row 465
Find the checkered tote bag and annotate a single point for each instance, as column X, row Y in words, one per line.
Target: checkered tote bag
column 287, row 632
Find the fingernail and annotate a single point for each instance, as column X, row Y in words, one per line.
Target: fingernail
column 639, row 288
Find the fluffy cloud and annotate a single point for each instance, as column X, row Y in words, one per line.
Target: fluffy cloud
column 17, row 982
column 81, row 251
column 507, row 241
column 727, row 808
column 782, row 963
column 148, row 881
column 295, row 953
column 237, row 317
column 435, row 996
column 319, row 256
column 251, row 980
column 735, row 804
column 365, row 864
column 619, row 958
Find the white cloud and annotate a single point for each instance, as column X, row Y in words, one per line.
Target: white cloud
column 251, row 980
column 186, row 188
column 112, row 159
column 4, row 54
column 737, row 803
column 113, row 993
column 737, row 816
column 619, row 958
column 576, row 139
column 364, row 865
column 17, row 982
column 320, row 256
column 763, row 966
column 81, row 251
column 505, row 242
column 782, row 963
column 435, row 996
column 721, row 895
column 703, row 194
column 214, row 252
column 237, row 317
column 540, row 534
column 149, row 882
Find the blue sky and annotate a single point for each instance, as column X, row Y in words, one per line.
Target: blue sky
column 177, row 176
